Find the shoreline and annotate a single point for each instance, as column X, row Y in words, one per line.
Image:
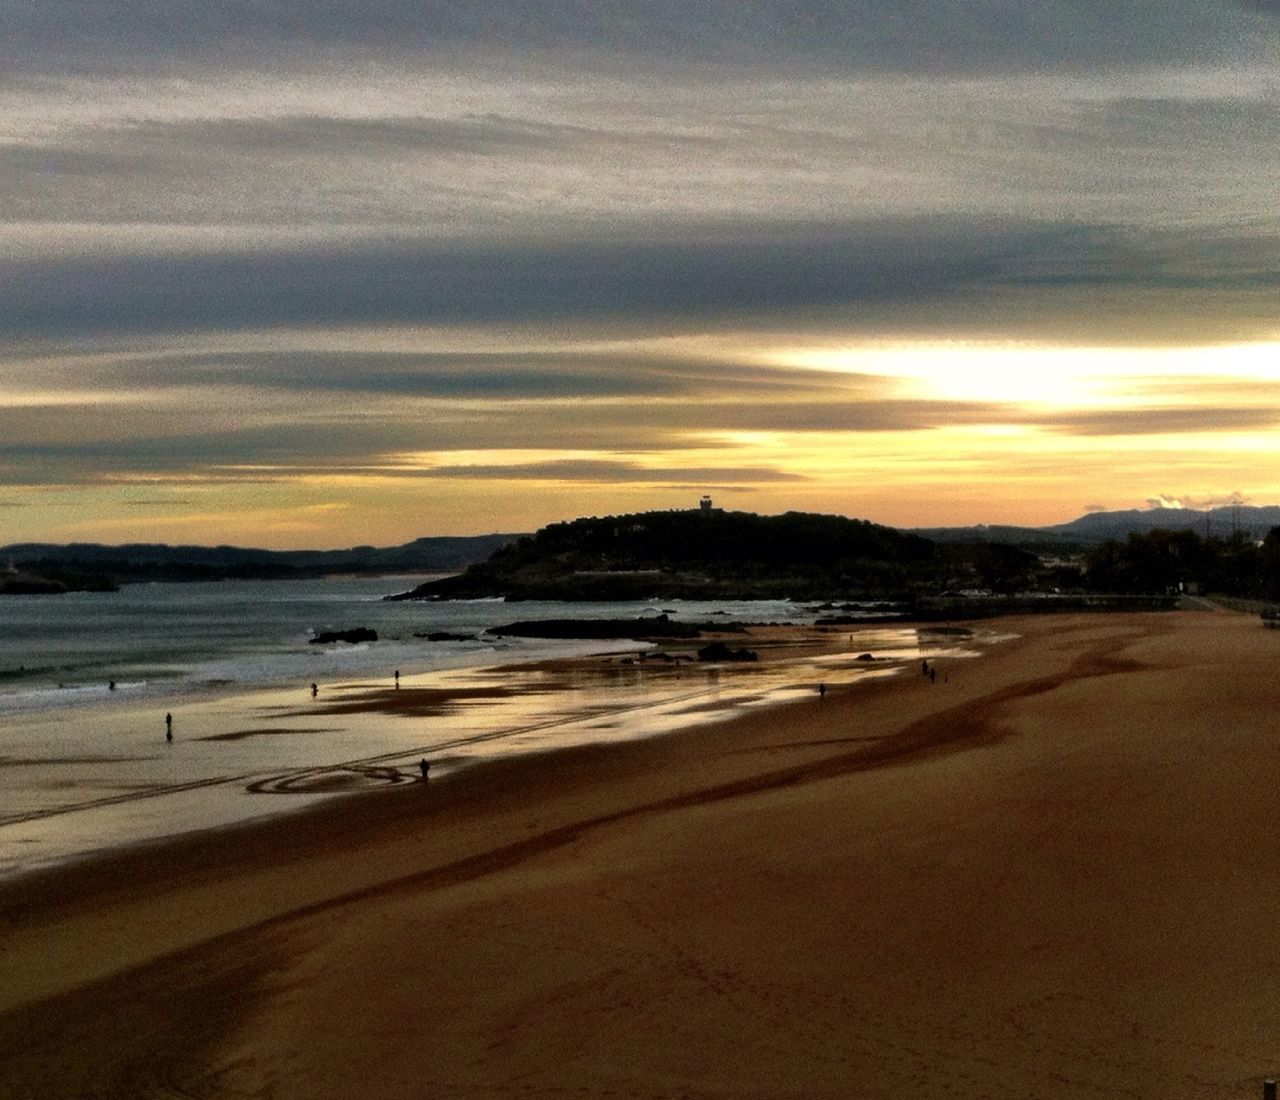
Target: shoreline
column 1063, row 847
column 181, row 687
column 785, row 649
column 251, row 755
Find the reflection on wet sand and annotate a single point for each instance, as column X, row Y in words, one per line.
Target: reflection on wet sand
column 242, row 735
column 49, row 761
column 227, row 751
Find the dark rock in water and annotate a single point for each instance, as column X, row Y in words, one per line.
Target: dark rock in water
column 718, row 651
column 30, row 586
column 359, row 634
column 445, row 636
column 870, row 618
column 864, row 657
column 54, row 583
column 649, row 627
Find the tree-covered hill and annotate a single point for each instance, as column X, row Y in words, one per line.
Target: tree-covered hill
column 698, row 554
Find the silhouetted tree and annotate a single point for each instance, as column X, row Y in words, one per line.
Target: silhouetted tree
column 1162, row 561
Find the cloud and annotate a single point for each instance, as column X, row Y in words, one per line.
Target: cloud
column 424, row 284
column 1157, row 421
column 44, row 163
column 67, row 443
column 1170, row 501
column 873, row 271
column 258, row 416
column 589, row 470
column 522, row 374
column 835, row 414
column 327, row 136
column 428, row 152
column 836, row 34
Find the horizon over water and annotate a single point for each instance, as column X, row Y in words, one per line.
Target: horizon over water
column 83, row 768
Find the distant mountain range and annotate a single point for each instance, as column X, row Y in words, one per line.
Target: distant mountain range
column 157, row 561
column 1094, row 527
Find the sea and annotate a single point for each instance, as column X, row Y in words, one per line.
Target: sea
column 86, row 680
column 174, row 641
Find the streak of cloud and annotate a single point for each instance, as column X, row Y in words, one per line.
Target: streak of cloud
column 875, row 270
column 1157, row 421
column 839, row 34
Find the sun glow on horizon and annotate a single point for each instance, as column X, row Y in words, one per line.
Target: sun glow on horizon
column 1043, row 376
column 908, row 433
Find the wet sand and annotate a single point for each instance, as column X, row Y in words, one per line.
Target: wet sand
column 237, row 756
column 1049, row 874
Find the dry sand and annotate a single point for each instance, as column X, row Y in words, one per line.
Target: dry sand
column 1053, row 873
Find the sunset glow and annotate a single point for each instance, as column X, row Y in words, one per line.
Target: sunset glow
column 472, row 278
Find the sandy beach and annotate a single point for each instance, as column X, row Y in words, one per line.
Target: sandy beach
column 1048, row 874
column 78, row 780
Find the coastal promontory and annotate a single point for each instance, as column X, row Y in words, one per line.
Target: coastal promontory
column 696, row 554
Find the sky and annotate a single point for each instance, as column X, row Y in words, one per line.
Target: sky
column 316, row 274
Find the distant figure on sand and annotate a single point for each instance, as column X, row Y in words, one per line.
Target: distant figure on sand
column 168, row 728
column 924, row 668
column 822, row 691
column 933, row 675
column 424, row 767
column 314, row 691
column 397, row 677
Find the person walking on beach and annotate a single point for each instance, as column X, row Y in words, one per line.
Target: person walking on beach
column 424, row 767
column 933, row 675
column 397, row 678
column 314, row 691
column 168, row 728
column 924, row 668
column 822, row 691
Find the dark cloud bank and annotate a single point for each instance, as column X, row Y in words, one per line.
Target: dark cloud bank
column 878, row 271
column 836, row 34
